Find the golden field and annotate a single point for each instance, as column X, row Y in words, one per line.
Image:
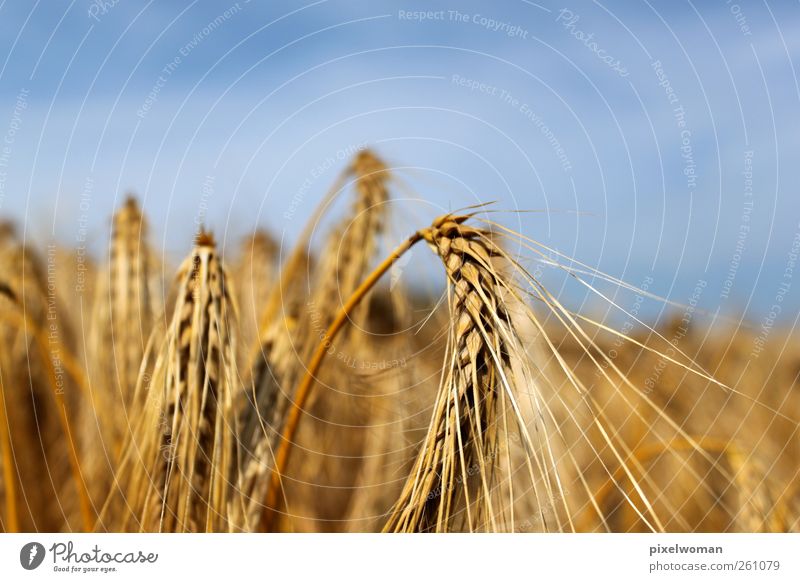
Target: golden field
column 311, row 390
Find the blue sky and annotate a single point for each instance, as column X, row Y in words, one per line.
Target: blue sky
column 628, row 126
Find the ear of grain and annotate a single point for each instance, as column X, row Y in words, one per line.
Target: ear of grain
column 523, row 428
column 39, row 393
column 351, row 250
column 177, row 472
column 452, row 485
column 130, row 298
column 345, row 261
column 127, row 303
column 320, row 483
column 255, row 274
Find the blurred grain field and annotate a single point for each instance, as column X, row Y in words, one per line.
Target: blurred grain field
column 311, row 390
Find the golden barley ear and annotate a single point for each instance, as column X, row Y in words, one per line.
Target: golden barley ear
column 42, row 484
column 128, row 301
column 458, row 473
column 178, row 470
column 320, row 484
column 287, row 345
column 254, row 274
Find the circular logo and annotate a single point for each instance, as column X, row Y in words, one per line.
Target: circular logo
column 31, row 555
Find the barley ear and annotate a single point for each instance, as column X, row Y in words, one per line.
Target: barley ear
column 178, row 471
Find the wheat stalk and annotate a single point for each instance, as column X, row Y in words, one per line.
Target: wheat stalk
column 177, row 473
